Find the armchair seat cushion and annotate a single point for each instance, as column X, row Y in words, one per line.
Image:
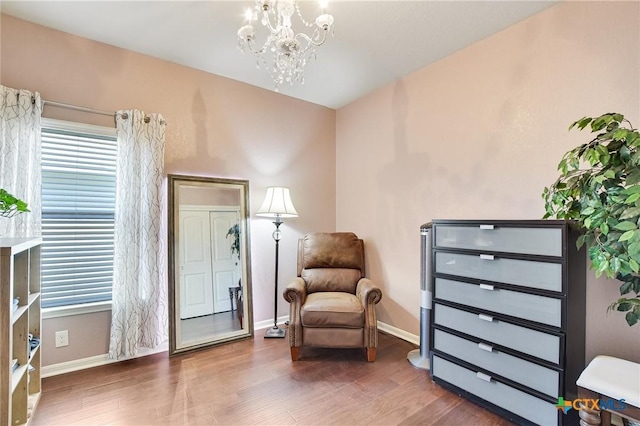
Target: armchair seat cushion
column 332, row 309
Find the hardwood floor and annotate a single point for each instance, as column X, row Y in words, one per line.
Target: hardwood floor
column 209, row 326
column 253, row 381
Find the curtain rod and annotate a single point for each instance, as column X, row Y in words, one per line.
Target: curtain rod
column 124, row 115
column 77, row 108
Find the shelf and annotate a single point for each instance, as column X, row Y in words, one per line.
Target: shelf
column 11, row 246
column 33, row 297
column 20, row 260
column 15, row 316
column 16, row 376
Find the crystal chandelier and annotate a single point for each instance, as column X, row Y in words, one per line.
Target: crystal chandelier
column 291, row 51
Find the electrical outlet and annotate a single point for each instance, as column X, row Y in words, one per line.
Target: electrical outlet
column 62, row 338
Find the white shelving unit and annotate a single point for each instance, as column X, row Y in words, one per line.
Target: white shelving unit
column 20, row 385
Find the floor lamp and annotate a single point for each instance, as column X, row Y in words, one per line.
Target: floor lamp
column 277, row 204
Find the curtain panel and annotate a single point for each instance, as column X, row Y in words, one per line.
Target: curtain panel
column 139, row 311
column 20, row 152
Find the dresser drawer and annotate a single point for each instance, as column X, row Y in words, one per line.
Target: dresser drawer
column 535, row 343
column 527, row 373
column 521, row 403
column 538, row 241
column 527, row 273
column 546, row 310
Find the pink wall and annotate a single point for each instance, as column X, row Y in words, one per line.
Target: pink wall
column 216, row 127
column 478, row 135
column 195, row 196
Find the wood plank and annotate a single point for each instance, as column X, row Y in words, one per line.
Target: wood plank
column 254, row 381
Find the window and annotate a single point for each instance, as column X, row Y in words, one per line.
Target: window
column 78, row 200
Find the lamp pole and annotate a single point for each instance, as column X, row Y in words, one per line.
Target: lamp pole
column 275, row 331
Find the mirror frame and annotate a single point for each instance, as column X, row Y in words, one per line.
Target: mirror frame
column 174, row 182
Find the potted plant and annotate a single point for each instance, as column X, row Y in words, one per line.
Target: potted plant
column 234, row 232
column 10, row 205
column 599, row 189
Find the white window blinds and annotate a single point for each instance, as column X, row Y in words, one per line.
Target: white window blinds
column 78, row 198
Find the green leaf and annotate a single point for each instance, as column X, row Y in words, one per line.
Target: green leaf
column 604, row 228
column 617, row 117
column 625, row 226
column 631, row 212
column 633, row 177
column 632, row 189
column 632, row 318
column 632, row 199
column 624, row 306
column 582, row 123
column 615, row 265
column 626, row 287
column 634, row 248
column 634, row 265
column 626, row 236
column 588, row 211
column 620, row 134
column 625, row 154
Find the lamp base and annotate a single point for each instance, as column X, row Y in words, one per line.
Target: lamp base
column 275, row 333
column 418, row 360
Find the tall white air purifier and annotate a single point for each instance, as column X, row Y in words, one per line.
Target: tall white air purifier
column 419, row 358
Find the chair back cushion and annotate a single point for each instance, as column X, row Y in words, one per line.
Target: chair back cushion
column 331, row 279
column 331, row 261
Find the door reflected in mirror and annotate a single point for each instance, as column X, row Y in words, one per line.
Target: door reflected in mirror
column 209, row 262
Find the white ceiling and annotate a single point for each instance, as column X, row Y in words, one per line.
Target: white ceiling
column 375, row 42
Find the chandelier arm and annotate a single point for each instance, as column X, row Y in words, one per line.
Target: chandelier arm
column 257, row 52
column 310, row 40
column 267, row 23
column 304, row 21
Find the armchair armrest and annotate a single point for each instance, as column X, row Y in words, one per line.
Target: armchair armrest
column 296, row 291
column 368, row 292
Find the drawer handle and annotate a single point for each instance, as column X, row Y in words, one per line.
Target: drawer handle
column 484, row 317
column 486, row 257
column 486, row 287
column 484, row 377
column 485, row 347
column 486, row 226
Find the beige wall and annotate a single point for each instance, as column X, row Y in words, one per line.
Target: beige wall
column 216, row 127
column 479, row 135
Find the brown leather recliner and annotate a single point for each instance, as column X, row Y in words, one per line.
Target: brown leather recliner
column 331, row 303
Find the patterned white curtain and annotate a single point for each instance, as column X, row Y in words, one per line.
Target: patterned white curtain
column 20, row 169
column 139, row 311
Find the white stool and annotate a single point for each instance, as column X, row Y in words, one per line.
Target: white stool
column 611, row 379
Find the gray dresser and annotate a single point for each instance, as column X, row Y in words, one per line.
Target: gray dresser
column 508, row 317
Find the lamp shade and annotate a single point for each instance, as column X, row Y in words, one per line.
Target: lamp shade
column 277, row 203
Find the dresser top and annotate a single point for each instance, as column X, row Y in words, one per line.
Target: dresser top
column 499, row 222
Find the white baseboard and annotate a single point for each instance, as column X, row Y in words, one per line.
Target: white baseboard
column 98, row 360
column 268, row 323
column 94, row 361
column 400, row 334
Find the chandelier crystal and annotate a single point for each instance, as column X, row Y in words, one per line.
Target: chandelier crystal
column 291, row 51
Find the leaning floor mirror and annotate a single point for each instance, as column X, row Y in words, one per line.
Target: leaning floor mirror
column 209, row 262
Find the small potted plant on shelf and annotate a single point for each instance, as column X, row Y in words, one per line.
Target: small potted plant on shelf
column 599, row 189
column 10, row 205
